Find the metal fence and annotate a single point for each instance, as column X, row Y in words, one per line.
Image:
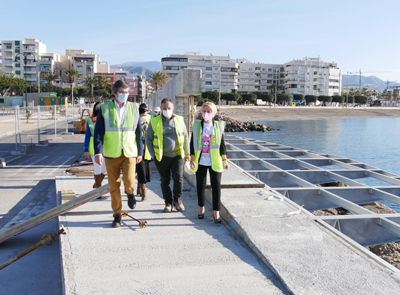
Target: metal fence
column 41, row 124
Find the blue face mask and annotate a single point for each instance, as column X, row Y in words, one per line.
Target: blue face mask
column 122, row 97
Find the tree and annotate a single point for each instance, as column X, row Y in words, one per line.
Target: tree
column 230, row 96
column 361, row 99
column 211, row 95
column 251, row 98
column 298, row 96
column 102, row 94
column 72, row 73
column 89, row 82
column 100, row 81
column 325, row 99
column 282, row 97
column 50, row 77
column 158, row 79
column 396, row 94
column 310, row 98
column 10, row 85
column 338, row 98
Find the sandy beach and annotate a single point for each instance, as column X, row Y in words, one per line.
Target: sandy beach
column 262, row 113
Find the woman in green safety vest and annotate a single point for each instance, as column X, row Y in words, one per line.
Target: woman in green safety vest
column 100, row 171
column 208, row 152
column 143, row 168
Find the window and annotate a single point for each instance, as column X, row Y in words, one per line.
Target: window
column 208, row 83
column 269, row 75
column 8, row 47
column 45, row 67
column 171, row 68
column 89, row 68
column 174, row 59
column 250, row 69
column 258, row 69
column 1, row 100
column 208, row 69
column 79, row 69
column 216, row 69
column 131, row 83
column 17, row 65
column 18, row 72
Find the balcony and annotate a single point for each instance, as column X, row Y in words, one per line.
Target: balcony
column 7, row 48
column 30, row 64
column 29, row 49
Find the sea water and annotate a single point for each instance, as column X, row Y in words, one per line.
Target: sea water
column 372, row 141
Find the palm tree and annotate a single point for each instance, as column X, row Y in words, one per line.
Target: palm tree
column 72, row 73
column 158, row 79
column 100, row 81
column 7, row 75
column 89, row 82
column 50, row 77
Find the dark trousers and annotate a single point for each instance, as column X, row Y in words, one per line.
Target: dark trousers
column 143, row 171
column 171, row 166
column 201, row 181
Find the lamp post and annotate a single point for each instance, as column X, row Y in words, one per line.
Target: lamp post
column 25, row 55
column 276, row 82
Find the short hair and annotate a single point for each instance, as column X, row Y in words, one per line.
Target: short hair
column 119, row 84
column 166, row 100
column 143, row 105
column 96, row 109
column 142, row 110
column 211, row 106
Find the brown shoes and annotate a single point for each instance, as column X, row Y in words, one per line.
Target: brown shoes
column 179, row 206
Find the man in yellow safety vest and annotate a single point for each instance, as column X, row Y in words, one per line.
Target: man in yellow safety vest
column 118, row 141
column 167, row 143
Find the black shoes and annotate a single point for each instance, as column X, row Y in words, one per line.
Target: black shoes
column 217, row 220
column 131, row 201
column 117, row 221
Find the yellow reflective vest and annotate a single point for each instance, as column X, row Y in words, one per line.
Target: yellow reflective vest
column 115, row 133
column 217, row 164
column 156, row 124
column 89, row 121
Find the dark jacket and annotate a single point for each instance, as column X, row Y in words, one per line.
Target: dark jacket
column 99, row 131
column 222, row 147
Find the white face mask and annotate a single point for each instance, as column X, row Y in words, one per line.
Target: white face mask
column 167, row 113
column 122, row 97
column 143, row 119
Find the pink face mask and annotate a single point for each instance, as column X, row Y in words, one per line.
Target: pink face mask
column 207, row 116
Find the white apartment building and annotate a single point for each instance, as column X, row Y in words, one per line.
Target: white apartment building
column 218, row 72
column 305, row 76
column 21, row 57
column 312, row 76
column 14, row 53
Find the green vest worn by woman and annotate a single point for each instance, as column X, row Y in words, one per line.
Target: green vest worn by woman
column 91, row 127
column 115, row 132
column 217, row 163
column 156, row 124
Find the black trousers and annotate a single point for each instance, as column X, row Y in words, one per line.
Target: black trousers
column 167, row 167
column 201, row 181
column 143, row 171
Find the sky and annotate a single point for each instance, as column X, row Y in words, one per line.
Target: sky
column 354, row 34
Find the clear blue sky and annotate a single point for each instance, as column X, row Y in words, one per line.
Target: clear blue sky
column 355, row 34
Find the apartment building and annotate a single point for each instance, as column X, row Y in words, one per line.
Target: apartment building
column 21, row 57
column 312, row 76
column 29, row 60
column 220, row 73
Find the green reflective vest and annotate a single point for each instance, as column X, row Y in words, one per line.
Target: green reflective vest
column 147, row 155
column 115, row 133
column 217, row 164
column 91, row 128
column 156, row 124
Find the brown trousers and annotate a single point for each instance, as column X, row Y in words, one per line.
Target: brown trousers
column 114, row 166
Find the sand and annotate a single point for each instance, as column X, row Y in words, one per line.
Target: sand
column 262, row 113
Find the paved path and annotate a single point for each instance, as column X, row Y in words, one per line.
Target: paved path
column 175, row 254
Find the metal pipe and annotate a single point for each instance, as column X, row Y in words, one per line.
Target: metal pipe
column 45, row 239
column 38, row 123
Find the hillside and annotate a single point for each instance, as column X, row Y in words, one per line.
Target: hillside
column 144, row 68
column 355, row 80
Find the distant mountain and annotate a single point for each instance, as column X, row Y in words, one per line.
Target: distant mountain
column 355, row 80
column 133, row 69
column 144, row 68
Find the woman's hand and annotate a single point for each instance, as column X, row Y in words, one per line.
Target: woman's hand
column 192, row 165
column 87, row 155
column 226, row 166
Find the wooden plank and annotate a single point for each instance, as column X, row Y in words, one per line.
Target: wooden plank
column 52, row 213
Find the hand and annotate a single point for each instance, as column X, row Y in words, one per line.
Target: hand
column 87, row 155
column 192, row 165
column 99, row 159
column 226, row 166
column 138, row 159
column 187, row 158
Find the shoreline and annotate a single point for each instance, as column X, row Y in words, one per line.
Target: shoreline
column 285, row 113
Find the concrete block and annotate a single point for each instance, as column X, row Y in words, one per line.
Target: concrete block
column 2, row 162
column 67, row 195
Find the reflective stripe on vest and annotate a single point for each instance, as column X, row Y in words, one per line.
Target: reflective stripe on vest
column 156, row 124
column 217, row 163
column 115, row 133
column 91, row 142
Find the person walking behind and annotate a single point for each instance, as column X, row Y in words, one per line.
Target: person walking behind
column 99, row 170
column 118, row 137
column 167, row 142
column 156, row 112
column 208, row 152
column 143, row 168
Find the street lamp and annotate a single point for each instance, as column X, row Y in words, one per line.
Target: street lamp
column 25, row 62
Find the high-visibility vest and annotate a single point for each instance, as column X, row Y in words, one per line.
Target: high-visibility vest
column 217, row 164
column 115, row 132
column 147, row 155
column 156, row 124
column 89, row 122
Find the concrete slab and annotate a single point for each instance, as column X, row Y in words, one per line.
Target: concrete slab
column 175, row 254
column 307, row 258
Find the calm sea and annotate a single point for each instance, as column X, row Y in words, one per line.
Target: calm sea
column 373, row 141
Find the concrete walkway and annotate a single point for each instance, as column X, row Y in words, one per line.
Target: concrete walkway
column 175, row 254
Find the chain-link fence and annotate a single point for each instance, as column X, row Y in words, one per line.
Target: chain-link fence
column 41, row 124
